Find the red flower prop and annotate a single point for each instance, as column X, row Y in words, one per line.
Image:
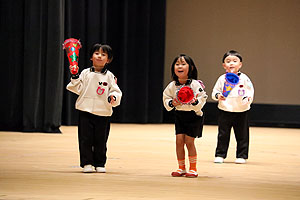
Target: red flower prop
column 72, row 47
column 185, row 95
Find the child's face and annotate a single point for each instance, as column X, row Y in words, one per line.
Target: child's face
column 232, row 64
column 99, row 59
column 181, row 68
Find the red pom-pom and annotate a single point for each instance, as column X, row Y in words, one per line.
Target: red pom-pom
column 185, row 94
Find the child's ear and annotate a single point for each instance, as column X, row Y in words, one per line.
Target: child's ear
column 241, row 64
column 224, row 66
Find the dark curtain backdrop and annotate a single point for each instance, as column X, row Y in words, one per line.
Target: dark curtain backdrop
column 32, row 72
column 35, row 68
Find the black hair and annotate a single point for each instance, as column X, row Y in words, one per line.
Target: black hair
column 193, row 73
column 105, row 48
column 232, row 53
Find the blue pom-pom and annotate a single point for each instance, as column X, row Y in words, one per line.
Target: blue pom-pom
column 232, row 78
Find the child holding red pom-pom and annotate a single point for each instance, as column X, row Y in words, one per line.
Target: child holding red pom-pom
column 186, row 94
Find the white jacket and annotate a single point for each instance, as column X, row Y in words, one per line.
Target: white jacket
column 238, row 99
column 93, row 89
column 170, row 93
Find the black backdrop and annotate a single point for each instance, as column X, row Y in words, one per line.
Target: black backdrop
column 35, row 68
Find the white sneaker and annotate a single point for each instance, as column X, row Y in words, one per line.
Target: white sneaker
column 100, row 169
column 219, row 160
column 87, row 169
column 240, row 161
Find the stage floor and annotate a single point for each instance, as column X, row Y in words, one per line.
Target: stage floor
column 41, row 166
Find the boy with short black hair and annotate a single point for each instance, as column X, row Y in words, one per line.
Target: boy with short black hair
column 233, row 109
column 98, row 93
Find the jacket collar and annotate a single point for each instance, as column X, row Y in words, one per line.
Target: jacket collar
column 103, row 71
column 188, row 82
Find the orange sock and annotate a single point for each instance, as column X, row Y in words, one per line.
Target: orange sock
column 193, row 162
column 181, row 164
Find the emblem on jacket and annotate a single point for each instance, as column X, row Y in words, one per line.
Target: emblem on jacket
column 241, row 91
column 101, row 90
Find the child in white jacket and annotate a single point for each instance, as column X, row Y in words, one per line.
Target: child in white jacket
column 189, row 115
column 233, row 109
column 98, row 94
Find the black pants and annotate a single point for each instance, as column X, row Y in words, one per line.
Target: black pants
column 189, row 123
column 240, row 123
column 93, row 133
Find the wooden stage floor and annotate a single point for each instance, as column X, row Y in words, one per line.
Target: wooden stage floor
column 40, row 166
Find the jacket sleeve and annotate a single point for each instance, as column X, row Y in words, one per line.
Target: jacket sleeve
column 168, row 97
column 201, row 97
column 249, row 91
column 76, row 85
column 115, row 91
column 218, row 89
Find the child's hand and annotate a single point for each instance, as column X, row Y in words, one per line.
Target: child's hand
column 193, row 100
column 74, row 69
column 112, row 99
column 246, row 100
column 221, row 97
column 175, row 102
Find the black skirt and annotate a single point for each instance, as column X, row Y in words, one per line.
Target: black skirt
column 187, row 122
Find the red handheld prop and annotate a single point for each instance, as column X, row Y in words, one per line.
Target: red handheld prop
column 185, row 95
column 72, row 47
